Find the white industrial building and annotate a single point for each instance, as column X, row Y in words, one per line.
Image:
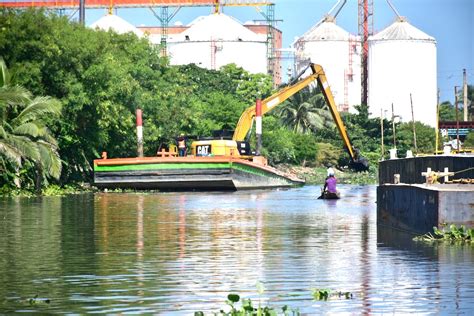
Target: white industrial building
column 402, row 61
column 339, row 53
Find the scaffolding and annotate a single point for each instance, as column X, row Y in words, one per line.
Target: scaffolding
column 216, row 46
column 270, row 39
column 165, row 19
column 349, row 72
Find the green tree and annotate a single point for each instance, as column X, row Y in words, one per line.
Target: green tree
column 425, row 138
column 469, row 140
column 24, row 133
column 306, row 112
column 470, row 102
column 365, row 132
column 277, row 141
column 248, row 87
column 305, row 148
column 100, row 77
column 447, row 112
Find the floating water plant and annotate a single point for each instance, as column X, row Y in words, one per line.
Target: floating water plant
column 452, row 234
column 247, row 309
column 325, row 294
column 32, row 301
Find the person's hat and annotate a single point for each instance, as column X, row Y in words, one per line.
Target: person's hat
column 330, row 172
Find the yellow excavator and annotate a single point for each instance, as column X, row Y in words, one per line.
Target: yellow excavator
column 238, row 146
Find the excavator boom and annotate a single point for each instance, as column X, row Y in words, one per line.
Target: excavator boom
column 246, row 119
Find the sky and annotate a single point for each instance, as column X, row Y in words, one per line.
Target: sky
column 450, row 22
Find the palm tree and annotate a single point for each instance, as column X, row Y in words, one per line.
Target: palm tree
column 24, row 135
column 306, row 112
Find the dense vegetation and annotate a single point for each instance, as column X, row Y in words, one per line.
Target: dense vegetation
column 98, row 79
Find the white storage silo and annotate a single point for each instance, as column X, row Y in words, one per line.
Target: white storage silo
column 116, row 24
column 402, row 60
column 216, row 40
column 338, row 52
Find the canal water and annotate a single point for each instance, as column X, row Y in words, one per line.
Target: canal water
column 177, row 253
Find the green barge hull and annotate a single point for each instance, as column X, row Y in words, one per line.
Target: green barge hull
column 188, row 173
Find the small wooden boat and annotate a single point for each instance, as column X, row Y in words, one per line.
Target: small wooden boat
column 325, row 195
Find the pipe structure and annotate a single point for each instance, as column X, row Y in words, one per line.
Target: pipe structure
column 464, row 92
column 139, row 133
column 457, row 116
column 413, row 125
column 258, row 125
column 393, row 9
column 340, row 7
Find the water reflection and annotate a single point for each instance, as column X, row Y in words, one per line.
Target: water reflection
column 176, row 253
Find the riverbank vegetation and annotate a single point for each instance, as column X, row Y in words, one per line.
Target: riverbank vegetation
column 93, row 81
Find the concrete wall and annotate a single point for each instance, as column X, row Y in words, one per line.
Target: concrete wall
column 457, row 207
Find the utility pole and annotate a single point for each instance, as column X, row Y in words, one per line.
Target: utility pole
column 82, row 12
column 457, row 115
column 464, row 87
column 393, row 129
column 413, row 124
column 381, row 132
column 437, row 123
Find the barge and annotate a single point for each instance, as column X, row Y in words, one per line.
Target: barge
column 189, row 173
column 415, row 194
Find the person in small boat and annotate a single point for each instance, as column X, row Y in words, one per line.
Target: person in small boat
column 330, row 184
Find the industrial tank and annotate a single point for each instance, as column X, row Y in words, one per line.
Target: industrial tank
column 116, row 24
column 338, row 52
column 216, row 40
column 402, row 61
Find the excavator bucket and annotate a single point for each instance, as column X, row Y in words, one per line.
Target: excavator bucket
column 360, row 164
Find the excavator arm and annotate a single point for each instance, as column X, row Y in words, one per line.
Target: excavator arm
column 246, row 119
column 357, row 162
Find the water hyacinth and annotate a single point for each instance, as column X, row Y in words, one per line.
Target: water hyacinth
column 452, row 234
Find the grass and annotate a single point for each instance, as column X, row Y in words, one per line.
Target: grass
column 318, row 175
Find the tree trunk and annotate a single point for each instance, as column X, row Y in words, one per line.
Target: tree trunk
column 16, row 179
column 39, row 178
